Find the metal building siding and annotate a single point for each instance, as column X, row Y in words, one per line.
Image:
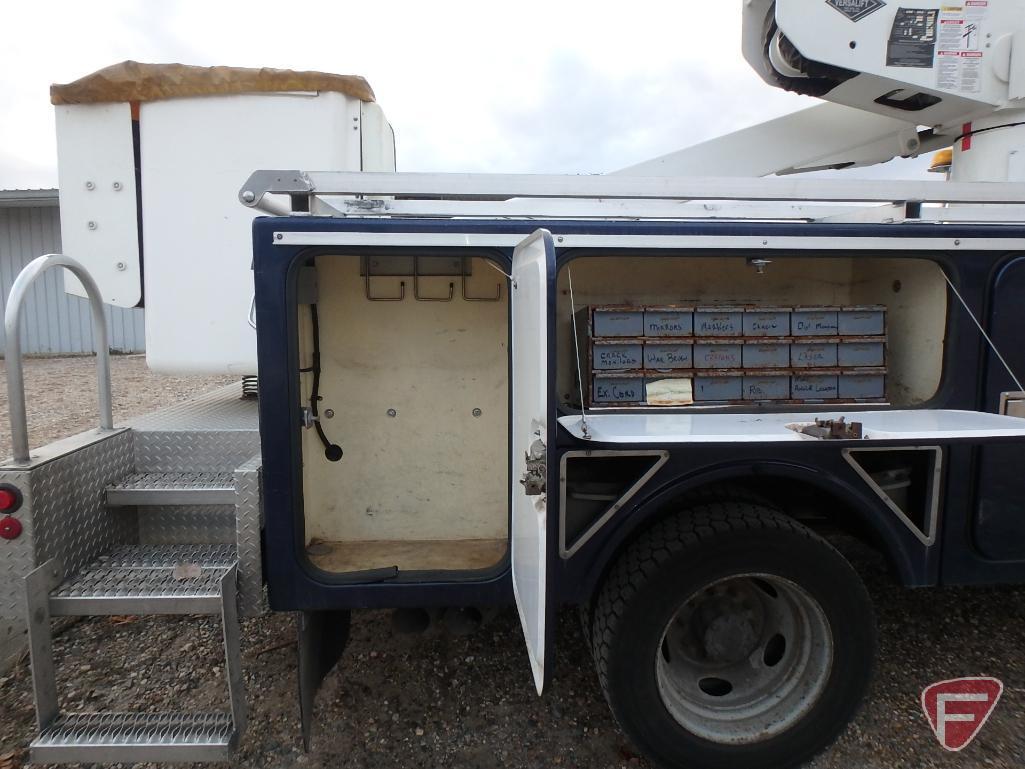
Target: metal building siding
column 54, row 322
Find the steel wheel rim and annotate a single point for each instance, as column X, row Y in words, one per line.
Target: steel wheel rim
column 744, row 658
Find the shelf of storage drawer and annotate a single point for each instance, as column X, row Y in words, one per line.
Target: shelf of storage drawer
column 733, row 386
column 619, row 321
column 669, row 353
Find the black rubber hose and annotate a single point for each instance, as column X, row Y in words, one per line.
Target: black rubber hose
column 332, row 451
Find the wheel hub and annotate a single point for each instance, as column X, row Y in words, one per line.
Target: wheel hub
column 729, row 638
column 744, row 658
column 727, row 622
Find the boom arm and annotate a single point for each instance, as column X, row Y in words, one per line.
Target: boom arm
column 823, row 136
column 885, row 68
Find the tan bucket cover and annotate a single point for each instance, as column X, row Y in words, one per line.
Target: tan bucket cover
column 131, row 81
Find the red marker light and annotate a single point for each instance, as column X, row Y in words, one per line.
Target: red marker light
column 10, row 499
column 10, row 527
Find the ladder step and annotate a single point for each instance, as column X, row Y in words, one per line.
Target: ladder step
column 173, row 489
column 147, row 579
column 135, row 737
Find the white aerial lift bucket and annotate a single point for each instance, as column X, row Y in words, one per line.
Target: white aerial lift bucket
column 151, row 157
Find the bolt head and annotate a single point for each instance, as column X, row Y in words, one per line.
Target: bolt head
column 117, row 186
column 91, row 225
column 329, row 413
column 248, row 196
column 392, row 412
column 477, row 412
column 90, row 186
column 121, row 266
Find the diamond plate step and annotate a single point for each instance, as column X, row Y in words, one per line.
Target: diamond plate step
column 147, row 579
column 173, row 489
column 135, row 737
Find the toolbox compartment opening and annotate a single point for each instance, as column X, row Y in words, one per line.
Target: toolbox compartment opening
column 911, row 289
column 418, row 397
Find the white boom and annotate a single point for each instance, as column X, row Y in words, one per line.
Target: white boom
column 900, row 80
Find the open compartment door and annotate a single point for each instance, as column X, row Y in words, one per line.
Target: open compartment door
column 533, row 272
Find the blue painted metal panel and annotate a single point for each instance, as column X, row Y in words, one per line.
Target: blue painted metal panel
column 295, row 585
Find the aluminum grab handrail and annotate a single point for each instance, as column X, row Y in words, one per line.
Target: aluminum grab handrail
column 15, row 376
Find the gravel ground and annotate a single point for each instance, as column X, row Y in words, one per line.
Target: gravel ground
column 61, row 394
column 443, row 700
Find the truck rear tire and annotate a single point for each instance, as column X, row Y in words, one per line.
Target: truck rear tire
column 732, row 637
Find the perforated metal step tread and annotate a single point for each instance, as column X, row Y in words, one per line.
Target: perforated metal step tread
column 148, row 579
column 173, row 489
column 135, row 737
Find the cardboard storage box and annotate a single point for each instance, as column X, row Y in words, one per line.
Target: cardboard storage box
column 668, row 321
column 814, row 387
column 813, row 354
column 861, row 352
column 766, row 354
column 668, row 355
column 719, row 321
column 766, row 387
column 862, row 320
column 608, row 388
column 615, row 321
column 814, row 321
column 708, row 387
column 611, row 355
column 718, row 354
column 767, row 321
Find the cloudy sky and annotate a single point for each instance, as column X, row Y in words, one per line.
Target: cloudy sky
column 469, row 86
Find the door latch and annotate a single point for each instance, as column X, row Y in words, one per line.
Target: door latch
column 306, row 418
column 535, row 477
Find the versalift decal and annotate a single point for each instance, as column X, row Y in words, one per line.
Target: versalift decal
column 856, row 10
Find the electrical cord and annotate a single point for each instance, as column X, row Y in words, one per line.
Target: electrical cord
column 332, row 451
column 976, row 131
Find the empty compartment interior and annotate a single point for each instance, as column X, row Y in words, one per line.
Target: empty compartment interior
column 907, row 477
column 417, row 392
column 912, row 290
column 595, row 484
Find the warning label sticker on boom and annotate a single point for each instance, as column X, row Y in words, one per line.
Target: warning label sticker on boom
column 912, row 38
column 959, row 46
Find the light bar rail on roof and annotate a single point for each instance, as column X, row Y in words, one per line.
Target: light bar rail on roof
column 505, row 186
column 605, row 208
column 589, row 197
